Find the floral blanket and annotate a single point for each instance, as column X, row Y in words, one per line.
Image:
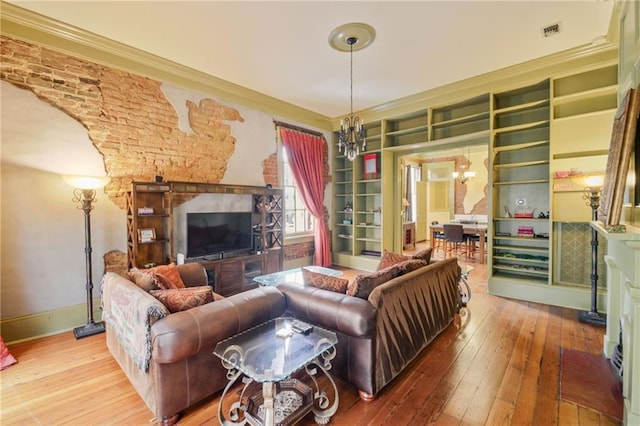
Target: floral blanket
column 130, row 312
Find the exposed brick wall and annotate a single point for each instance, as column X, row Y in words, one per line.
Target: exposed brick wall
column 128, row 118
column 300, row 250
column 270, row 170
column 133, row 126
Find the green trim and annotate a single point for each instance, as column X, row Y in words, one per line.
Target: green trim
column 557, row 295
column 34, row 28
column 42, row 324
column 552, row 66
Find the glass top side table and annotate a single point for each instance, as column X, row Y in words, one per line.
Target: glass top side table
column 293, row 275
column 269, row 354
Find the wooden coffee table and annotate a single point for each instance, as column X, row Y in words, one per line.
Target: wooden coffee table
column 269, row 354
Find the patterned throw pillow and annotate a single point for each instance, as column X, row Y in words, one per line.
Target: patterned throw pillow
column 389, row 259
column 363, row 284
column 143, row 279
column 423, row 254
column 181, row 299
column 325, row 282
column 167, row 276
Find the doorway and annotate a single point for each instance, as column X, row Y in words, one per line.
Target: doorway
column 431, row 194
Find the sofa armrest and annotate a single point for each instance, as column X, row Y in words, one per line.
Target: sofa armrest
column 350, row 315
column 183, row 334
column 129, row 313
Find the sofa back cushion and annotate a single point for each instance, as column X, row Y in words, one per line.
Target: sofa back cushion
column 363, row 284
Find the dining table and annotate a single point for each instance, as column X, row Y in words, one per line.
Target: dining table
column 467, row 228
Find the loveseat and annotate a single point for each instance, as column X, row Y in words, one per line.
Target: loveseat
column 379, row 336
column 168, row 357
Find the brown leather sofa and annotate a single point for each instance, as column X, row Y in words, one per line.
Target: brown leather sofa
column 380, row 336
column 168, row 358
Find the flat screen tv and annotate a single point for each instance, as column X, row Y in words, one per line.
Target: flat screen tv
column 220, row 232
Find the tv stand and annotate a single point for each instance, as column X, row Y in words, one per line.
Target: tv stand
column 235, row 274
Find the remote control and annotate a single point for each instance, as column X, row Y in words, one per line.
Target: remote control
column 300, row 327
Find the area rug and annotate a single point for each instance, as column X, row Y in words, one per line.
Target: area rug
column 587, row 380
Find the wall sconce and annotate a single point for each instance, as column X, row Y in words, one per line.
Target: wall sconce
column 84, row 194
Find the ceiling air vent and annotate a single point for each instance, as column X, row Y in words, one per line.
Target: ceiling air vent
column 551, row 30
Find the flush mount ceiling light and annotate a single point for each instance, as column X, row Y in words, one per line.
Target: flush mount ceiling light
column 351, row 38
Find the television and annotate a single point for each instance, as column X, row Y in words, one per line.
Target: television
column 215, row 233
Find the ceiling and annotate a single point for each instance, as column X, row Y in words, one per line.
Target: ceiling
column 281, row 48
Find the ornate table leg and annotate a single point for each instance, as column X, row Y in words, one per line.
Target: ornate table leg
column 465, row 290
column 323, row 411
column 233, row 374
column 268, row 393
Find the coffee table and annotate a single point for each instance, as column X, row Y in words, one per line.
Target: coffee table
column 293, row 275
column 269, row 354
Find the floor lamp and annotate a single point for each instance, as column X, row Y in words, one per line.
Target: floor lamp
column 84, row 195
column 593, row 184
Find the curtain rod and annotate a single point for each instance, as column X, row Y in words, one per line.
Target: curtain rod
column 298, row 128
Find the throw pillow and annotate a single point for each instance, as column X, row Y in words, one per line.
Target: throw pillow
column 143, row 279
column 363, row 284
column 389, row 259
column 168, row 276
column 181, row 299
column 423, row 254
column 325, row 282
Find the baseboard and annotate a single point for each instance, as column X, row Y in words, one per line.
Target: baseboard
column 558, row 295
column 42, row 324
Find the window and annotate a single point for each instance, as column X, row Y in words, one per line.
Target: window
column 298, row 219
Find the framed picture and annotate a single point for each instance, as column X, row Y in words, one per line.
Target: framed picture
column 370, row 165
column 146, row 235
column 622, row 142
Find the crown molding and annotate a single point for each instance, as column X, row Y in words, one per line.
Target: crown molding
column 28, row 26
column 552, row 66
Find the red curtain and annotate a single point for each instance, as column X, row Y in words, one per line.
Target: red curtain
column 305, row 158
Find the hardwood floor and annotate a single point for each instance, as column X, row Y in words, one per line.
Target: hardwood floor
column 497, row 365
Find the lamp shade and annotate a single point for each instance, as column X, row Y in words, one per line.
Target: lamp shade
column 592, row 181
column 86, row 182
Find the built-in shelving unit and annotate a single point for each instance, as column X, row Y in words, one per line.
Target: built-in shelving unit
column 561, row 121
column 520, row 167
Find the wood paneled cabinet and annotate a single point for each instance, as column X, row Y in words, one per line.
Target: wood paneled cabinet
column 236, row 274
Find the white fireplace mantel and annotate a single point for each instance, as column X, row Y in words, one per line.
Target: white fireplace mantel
column 623, row 308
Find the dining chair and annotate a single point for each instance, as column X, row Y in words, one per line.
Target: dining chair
column 439, row 240
column 455, row 239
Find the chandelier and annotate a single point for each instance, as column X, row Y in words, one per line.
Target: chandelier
column 465, row 174
column 352, row 134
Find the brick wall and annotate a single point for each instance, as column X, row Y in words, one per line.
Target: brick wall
column 128, row 118
column 131, row 123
